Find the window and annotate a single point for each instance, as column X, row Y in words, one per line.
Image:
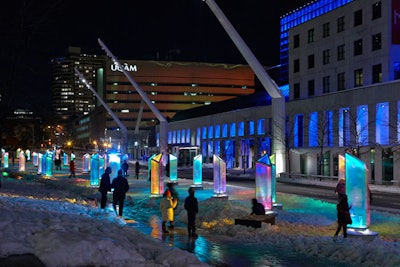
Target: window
column 310, row 35
column 376, row 10
column 311, row 87
column 377, row 73
column 340, row 81
column 261, row 126
column 313, row 129
column 340, row 24
column 376, row 41
column 326, row 56
column 325, row 30
column 311, row 61
column 396, row 69
column 357, row 17
column 358, row 47
column 325, row 84
column 296, row 65
column 340, row 52
column 296, row 41
column 382, row 123
column 298, row 136
column 358, row 77
column 296, row 91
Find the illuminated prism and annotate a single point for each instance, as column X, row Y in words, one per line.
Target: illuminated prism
column 85, row 163
column 94, row 170
column 149, row 165
column 173, row 168
column 264, row 182
column 28, row 154
column 102, row 165
column 219, row 171
column 35, row 160
column 357, row 191
column 114, row 162
column 273, row 178
column 21, row 163
column 48, row 163
column 198, row 171
column 5, row 159
column 157, row 181
column 40, row 165
column 66, row 162
column 342, row 163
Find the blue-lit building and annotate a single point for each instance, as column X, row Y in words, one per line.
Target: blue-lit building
column 341, row 62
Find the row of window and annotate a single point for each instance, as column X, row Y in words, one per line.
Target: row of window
column 352, row 127
column 340, row 52
column 340, row 24
column 221, row 131
column 341, row 81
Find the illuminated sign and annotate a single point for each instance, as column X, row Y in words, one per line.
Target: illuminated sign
column 126, row 66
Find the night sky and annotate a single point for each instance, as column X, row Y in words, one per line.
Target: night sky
column 36, row 31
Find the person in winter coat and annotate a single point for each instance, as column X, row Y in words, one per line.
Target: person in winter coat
column 72, row 168
column 257, row 208
column 167, row 211
column 121, row 186
column 137, row 168
column 105, row 186
column 125, row 168
column 343, row 216
column 340, row 189
column 192, row 208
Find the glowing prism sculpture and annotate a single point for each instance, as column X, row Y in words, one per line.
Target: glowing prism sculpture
column 85, row 163
column 114, row 162
column 5, row 159
column 273, row 178
column 149, row 165
column 48, row 162
column 66, row 162
column 198, row 170
column 94, row 170
column 102, row 165
column 28, row 154
column 40, row 165
column 342, row 169
column 35, row 160
column 219, row 171
column 21, row 163
column 264, row 182
column 173, row 168
column 357, row 191
column 157, row 181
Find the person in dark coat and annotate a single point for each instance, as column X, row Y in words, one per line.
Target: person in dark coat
column 192, row 208
column 137, row 168
column 121, row 186
column 105, row 186
column 343, row 216
column 72, row 168
column 257, row 208
column 125, row 168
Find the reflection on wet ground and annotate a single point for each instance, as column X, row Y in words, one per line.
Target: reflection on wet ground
column 221, row 251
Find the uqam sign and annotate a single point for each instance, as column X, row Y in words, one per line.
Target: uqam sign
column 125, row 66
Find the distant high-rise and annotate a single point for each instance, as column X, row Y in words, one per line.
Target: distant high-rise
column 69, row 99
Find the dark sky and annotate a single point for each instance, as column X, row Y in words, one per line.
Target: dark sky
column 35, row 31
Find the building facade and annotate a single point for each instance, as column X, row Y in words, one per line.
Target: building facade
column 343, row 72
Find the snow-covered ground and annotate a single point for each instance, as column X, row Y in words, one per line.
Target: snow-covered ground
column 53, row 220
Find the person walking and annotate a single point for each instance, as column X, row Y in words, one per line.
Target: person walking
column 121, row 186
column 137, row 168
column 125, row 168
column 105, row 186
column 340, row 188
column 343, row 216
column 167, row 211
column 192, row 208
column 72, row 168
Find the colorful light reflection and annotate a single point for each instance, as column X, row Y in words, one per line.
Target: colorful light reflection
column 264, row 182
column 198, row 170
column 173, row 168
column 357, row 190
column 219, row 176
column 157, row 181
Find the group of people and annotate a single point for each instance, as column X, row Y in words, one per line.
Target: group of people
column 119, row 184
column 169, row 203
